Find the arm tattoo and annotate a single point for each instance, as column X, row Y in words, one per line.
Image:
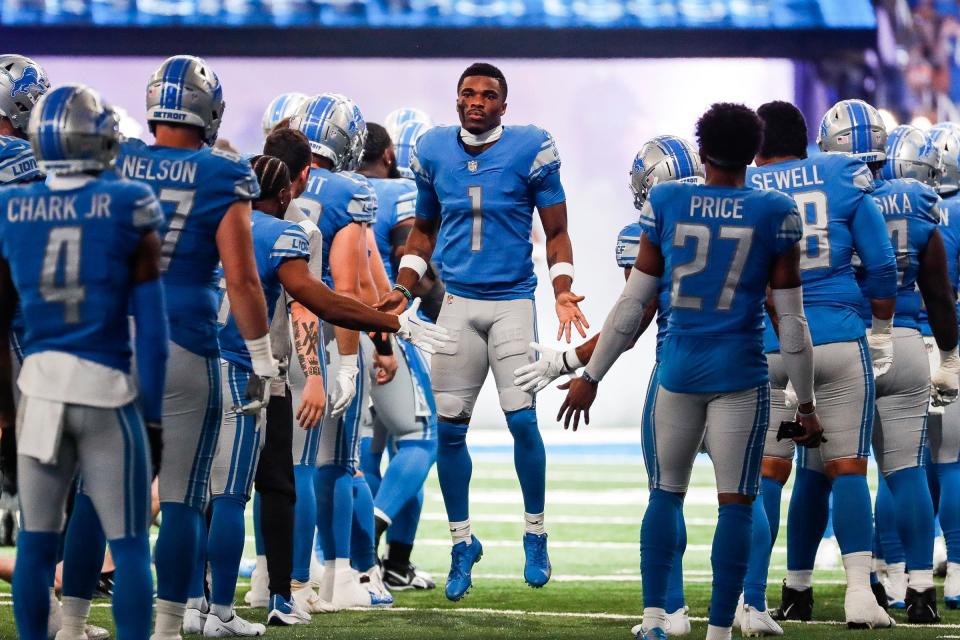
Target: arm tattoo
column 307, row 339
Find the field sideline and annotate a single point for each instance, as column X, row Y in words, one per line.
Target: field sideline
column 596, row 494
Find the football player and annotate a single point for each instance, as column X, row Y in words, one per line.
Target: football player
column 720, row 245
column 832, row 191
column 78, row 408
column 477, row 186
column 281, row 108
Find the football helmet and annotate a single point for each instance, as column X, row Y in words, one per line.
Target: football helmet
column 185, row 90
column 283, row 106
column 331, row 126
column 911, row 154
column 74, row 130
column 406, row 143
column 664, row 159
column 854, row 127
column 358, row 133
column 22, row 82
column 395, row 120
column 946, row 138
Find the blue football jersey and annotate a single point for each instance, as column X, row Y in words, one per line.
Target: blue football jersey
column 832, row 193
column 274, row 242
column 17, row 163
column 396, row 202
column 719, row 245
column 950, row 231
column 195, row 187
column 485, row 206
column 628, row 246
column 70, row 254
column 911, row 210
column 334, row 200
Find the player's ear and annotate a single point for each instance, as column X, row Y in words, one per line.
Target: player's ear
column 503, row 109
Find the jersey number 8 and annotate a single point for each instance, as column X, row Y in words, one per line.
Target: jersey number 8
column 815, row 245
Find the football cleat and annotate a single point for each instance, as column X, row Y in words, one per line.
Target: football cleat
column 96, row 633
column 939, row 557
column 536, row 569
column 258, row 596
column 880, row 594
column 795, row 604
column 104, row 586
column 308, row 599
column 639, row 633
column 372, row 581
column 678, row 622
column 286, row 612
column 194, row 621
column 348, row 593
column 462, row 558
column 863, row 612
column 399, row 577
column 951, row 587
column 235, row 626
column 757, row 624
column 922, row 606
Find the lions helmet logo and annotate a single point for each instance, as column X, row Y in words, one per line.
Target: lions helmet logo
column 30, row 80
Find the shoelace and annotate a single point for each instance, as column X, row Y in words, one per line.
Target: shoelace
column 540, row 550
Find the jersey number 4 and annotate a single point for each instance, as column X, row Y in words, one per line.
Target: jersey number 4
column 702, row 238
column 63, row 247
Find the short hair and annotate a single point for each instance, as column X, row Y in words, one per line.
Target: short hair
column 376, row 144
column 484, row 69
column 272, row 174
column 784, row 130
column 290, row 146
column 729, row 135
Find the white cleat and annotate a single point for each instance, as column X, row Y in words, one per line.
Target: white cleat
column 235, row 626
column 259, row 595
column 348, row 593
column 372, row 581
column 828, row 555
column 54, row 618
column 951, row 586
column 308, row 599
column 757, row 624
column 194, row 621
column 939, row 557
column 678, row 622
column 90, row 632
column 863, row 612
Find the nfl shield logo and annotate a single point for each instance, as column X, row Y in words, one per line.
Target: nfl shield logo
column 472, row 166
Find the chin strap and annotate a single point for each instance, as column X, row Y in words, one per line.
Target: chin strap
column 480, row 139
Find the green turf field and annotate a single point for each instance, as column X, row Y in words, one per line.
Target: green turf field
column 594, row 506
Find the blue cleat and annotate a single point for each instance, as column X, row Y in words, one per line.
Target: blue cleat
column 536, row 570
column 462, row 558
column 639, row 633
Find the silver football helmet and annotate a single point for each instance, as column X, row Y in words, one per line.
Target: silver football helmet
column 664, row 159
column 397, row 118
column 283, row 106
column 22, row 83
column 911, row 154
column 185, row 90
column 331, row 127
column 945, row 136
column 854, row 127
column 74, row 130
column 405, row 145
column 358, row 133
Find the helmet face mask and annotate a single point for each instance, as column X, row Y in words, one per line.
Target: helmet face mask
column 664, row 159
column 186, row 91
column 911, row 154
column 22, row 83
column 73, row 130
column 854, row 127
column 946, row 138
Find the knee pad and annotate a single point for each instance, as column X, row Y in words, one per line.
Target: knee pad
column 514, row 399
column 451, row 434
column 452, row 407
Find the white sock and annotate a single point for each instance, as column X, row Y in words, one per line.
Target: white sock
column 329, row 577
column 920, row 579
column 653, row 618
column 896, row 571
column 879, row 565
column 169, row 617
column 534, row 523
column 200, row 604
column 799, row 580
column 222, row 611
column 460, row 532
column 261, row 567
column 953, row 568
column 341, row 567
column 75, row 612
column 857, row 566
column 718, row 633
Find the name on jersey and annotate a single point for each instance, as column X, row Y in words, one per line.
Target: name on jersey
column 711, row 207
column 140, row 168
column 795, row 178
column 894, row 203
column 56, row 208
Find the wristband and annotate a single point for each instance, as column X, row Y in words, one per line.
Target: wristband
column 383, row 347
column 561, row 269
column 413, row 262
column 881, row 327
column 261, row 355
column 589, row 378
column 571, row 362
column 806, row 415
column 402, row 289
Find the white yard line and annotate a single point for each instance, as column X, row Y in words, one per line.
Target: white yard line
column 612, row 497
column 517, row 518
column 570, row 544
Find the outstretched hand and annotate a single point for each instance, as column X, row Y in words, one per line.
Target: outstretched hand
column 580, row 397
column 394, row 302
column 569, row 314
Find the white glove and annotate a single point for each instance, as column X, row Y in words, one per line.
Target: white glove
column 261, row 357
column 424, row 335
column 790, row 397
column 535, row 376
column 256, row 396
column 945, row 381
column 880, row 340
column 345, row 385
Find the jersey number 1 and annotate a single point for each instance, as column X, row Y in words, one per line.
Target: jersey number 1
column 476, row 208
column 63, row 245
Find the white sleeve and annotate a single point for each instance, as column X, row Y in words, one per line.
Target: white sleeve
column 796, row 347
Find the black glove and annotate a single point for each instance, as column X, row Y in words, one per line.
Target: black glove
column 155, row 438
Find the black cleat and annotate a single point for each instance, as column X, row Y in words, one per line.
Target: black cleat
column 794, row 604
column 104, row 586
column 922, row 606
column 403, row 577
column 880, row 594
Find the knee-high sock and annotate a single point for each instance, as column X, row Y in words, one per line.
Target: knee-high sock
column 914, row 512
column 454, row 469
column 225, row 547
column 406, row 473
column 370, row 462
column 304, row 520
column 83, row 550
column 529, row 458
column 257, row 531
column 177, row 550
column 334, row 511
column 363, row 551
column 755, row 583
column 658, row 545
column 949, row 477
column 277, row 509
column 729, row 559
column 675, row 599
column 198, row 575
column 32, row 577
column 133, row 587
column 772, row 492
column 806, row 518
column 852, row 517
column 403, row 529
column 887, row 535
